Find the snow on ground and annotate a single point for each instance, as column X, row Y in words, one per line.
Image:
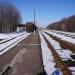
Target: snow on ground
column 63, row 53
column 70, row 33
column 54, row 43
column 9, row 36
column 48, row 60
column 73, row 70
column 3, row 36
column 62, row 37
column 7, row 45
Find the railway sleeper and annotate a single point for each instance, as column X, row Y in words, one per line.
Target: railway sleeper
column 69, row 63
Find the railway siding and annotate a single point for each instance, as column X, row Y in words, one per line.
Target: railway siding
column 58, row 60
column 65, row 44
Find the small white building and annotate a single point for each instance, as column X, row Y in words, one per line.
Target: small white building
column 21, row 27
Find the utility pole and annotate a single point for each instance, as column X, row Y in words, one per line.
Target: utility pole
column 34, row 22
column 34, row 17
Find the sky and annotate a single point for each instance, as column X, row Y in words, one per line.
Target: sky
column 46, row 11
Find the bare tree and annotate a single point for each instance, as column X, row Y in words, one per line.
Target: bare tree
column 9, row 17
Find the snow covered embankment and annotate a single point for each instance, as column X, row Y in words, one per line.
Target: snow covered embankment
column 7, row 45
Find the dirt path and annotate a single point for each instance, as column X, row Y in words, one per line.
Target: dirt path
column 29, row 61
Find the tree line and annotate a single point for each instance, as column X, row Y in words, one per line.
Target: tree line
column 67, row 24
column 9, row 17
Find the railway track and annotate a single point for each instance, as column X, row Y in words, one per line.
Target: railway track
column 7, row 58
column 64, row 65
column 10, row 41
column 65, row 44
column 6, row 40
column 72, row 35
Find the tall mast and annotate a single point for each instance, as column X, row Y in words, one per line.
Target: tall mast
column 34, row 17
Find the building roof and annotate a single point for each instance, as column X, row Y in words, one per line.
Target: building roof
column 21, row 25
